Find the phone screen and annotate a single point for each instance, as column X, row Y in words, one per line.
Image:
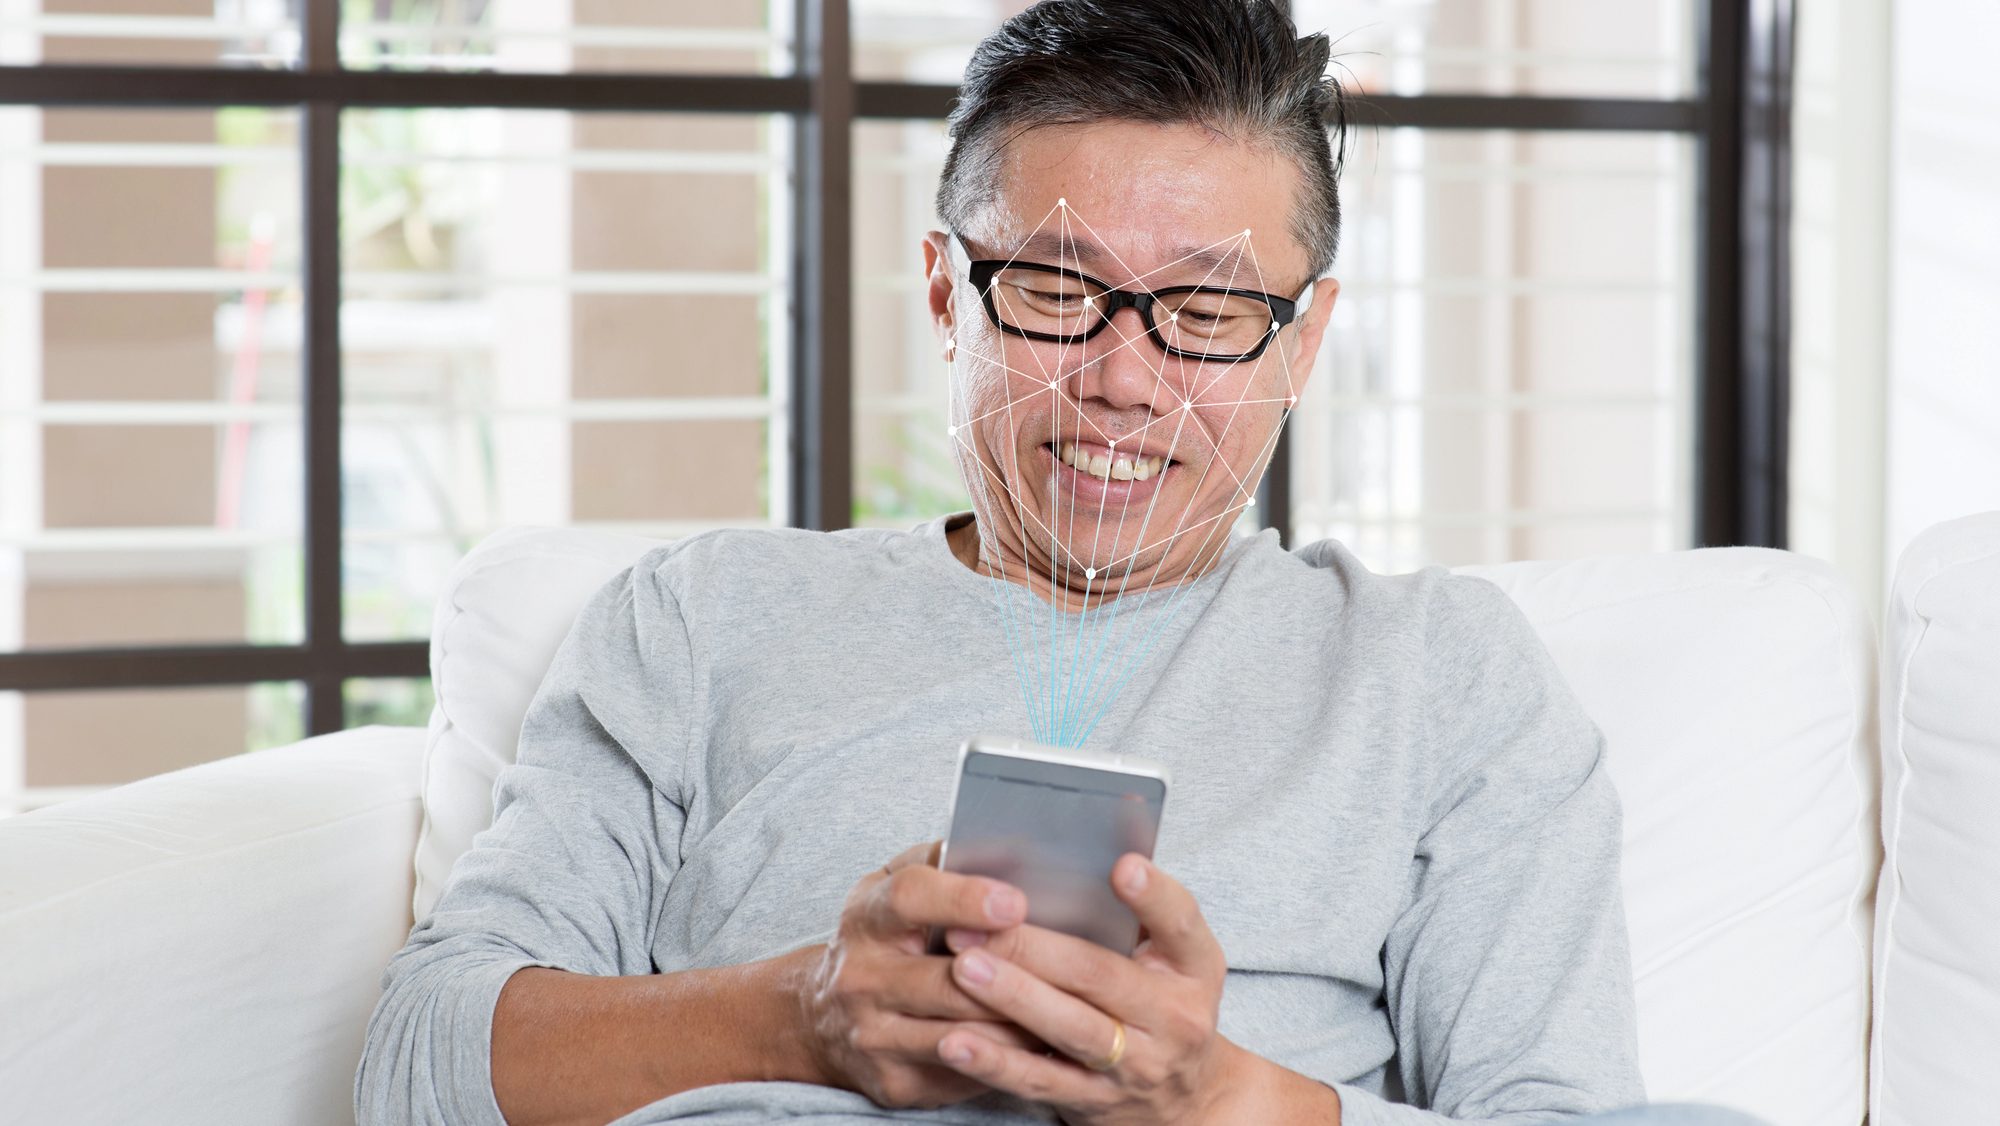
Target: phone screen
column 1054, row 830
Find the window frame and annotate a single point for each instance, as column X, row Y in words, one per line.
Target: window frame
column 1739, row 118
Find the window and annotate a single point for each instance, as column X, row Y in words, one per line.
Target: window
column 1509, row 371
column 301, row 298
column 553, row 318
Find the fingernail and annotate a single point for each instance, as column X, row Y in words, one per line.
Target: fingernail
column 1005, row 905
column 977, row 967
column 960, row 939
column 1135, row 878
column 954, row 1051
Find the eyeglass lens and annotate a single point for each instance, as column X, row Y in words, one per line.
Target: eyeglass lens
column 1201, row 322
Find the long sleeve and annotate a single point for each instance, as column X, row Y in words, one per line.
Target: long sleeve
column 1507, row 974
column 572, row 872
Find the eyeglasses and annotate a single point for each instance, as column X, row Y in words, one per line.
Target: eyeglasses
column 1212, row 324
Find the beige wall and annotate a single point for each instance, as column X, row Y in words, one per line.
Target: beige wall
column 666, row 345
column 100, row 738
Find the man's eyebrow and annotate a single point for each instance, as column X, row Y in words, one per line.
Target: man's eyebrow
column 1219, row 259
column 1052, row 248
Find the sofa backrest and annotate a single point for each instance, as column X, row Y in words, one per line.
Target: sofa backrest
column 1937, row 926
column 1736, row 690
column 505, row 609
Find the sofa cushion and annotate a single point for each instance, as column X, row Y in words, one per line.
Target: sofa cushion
column 1735, row 687
column 505, row 609
column 206, row 945
column 1937, row 928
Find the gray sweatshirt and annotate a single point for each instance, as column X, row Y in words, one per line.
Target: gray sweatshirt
column 1393, row 812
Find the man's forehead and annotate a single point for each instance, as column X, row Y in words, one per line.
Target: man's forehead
column 1125, row 199
column 1234, row 259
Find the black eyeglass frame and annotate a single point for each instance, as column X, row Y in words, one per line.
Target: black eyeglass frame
column 981, row 271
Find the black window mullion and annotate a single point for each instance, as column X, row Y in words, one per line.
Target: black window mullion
column 822, row 409
column 1765, row 297
column 1742, row 382
column 320, row 175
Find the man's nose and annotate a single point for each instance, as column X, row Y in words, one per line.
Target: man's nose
column 1122, row 366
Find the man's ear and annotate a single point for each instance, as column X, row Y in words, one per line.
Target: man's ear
column 940, row 282
column 1311, row 332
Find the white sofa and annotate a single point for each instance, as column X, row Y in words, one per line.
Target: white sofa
column 204, row 947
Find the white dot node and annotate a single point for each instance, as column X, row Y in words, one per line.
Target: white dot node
column 951, row 431
column 1188, row 405
column 1246, row 232
column 1251, row 503
column 1090, row 572
column 1064, row 202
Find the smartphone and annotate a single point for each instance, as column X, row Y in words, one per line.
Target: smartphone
column 1052, row 822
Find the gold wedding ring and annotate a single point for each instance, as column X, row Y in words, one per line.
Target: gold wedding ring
column 1117, row 1048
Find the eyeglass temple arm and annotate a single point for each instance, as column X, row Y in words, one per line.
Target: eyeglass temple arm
column 1304, row 300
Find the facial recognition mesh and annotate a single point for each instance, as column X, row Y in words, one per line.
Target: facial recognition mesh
column 1094, row 519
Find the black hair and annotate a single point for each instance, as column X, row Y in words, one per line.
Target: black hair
column 1236, row 66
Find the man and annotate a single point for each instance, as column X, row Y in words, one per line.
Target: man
column 1388, row 873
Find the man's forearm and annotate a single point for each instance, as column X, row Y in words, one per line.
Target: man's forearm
column 573, row 1049
column 1263, row 1091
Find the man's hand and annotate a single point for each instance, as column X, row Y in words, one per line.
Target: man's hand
column 1171, row 1067
column 877, row 1005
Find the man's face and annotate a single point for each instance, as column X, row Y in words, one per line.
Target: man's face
column 1109, row 464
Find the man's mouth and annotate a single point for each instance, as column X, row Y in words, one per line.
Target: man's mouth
column 1106, row 464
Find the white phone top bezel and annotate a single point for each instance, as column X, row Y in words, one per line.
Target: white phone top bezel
column 1064, row 756
column 1039, row 752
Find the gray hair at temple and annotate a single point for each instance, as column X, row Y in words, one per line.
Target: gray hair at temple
column 1235, row 66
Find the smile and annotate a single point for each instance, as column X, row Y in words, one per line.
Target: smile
column 1105, row 465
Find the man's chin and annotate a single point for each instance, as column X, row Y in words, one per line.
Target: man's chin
column 1107, row 564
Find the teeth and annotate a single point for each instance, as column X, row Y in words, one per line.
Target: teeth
column 1104, row 467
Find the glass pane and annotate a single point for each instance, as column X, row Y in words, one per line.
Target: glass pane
column 260, row 33
column 1633, row 48
column 1509, row 369
column 401, row 701
column 555, row 319
column 716, row 36
column 150, row 322
column 1406, row 486
column 58, row 745
column 904, row 470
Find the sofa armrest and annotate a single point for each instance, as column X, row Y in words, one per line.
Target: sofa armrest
column 206, row 946
column 1936, row 1035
